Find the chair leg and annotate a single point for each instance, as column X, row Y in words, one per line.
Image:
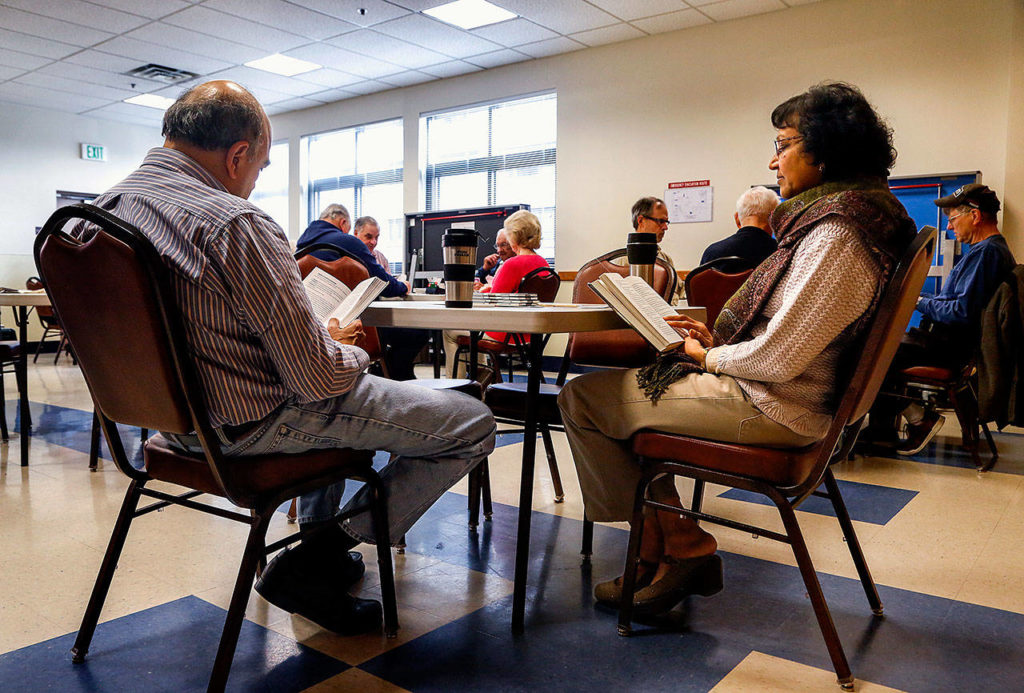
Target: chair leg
column 293, row 512
column 485, row 488
column 473, row 498
column 991, row 446
column 379, row 510
column 400, row 545
column 255, row 549
column 94, row 443
column 853, row 543
column 814, row 592
column 549, row 449
column 587, row 550
column 3, row 408
column 61, row 345
column 106, row 574
column 636, row 530
column 21, row 377
column 39, row 345
column 698, row 495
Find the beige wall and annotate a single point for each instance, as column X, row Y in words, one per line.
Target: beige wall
column 694, row 104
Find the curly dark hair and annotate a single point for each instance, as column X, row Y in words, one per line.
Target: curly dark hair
column 213, row 119
column 840, row 129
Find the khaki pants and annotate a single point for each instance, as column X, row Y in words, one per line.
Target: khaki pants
column 601, row 411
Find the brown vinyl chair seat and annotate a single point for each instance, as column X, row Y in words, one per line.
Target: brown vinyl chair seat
column 935, row 374
column 781, row 467
column 252, row 478
column 483, row 345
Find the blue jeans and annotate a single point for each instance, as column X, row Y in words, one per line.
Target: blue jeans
column 434, row 436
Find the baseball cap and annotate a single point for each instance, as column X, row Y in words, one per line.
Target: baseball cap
column 974, row 195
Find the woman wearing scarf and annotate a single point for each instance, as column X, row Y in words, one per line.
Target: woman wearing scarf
column 767, row 373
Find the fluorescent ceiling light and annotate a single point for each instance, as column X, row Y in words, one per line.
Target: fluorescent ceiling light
column 151, row 100
column 283, row 65
column 470, row 14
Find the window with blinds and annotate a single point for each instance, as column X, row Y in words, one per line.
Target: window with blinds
column 499, row 153
column 271, row 191
column 361, row 168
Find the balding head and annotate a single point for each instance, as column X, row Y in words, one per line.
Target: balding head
column 223, row 128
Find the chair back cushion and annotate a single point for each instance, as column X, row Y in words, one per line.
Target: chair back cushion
column 619, row 348
column 112, row 300
column 349, row 272
column 45, row 313
column 710, row 287
column 542, row 281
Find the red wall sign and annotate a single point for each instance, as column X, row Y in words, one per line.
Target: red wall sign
column 689, row 184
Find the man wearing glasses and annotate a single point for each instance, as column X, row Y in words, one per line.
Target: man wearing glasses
column 650, row 215
column 950, row 331
column 493, row 261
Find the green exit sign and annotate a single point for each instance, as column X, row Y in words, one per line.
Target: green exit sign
column 94, row 152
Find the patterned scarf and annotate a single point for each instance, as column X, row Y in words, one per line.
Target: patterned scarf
column 867, row 206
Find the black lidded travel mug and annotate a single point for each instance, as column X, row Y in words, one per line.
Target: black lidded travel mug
column 459, row 247
column 642, row 253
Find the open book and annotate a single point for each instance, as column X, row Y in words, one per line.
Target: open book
column 332, row 299
column 641, row 306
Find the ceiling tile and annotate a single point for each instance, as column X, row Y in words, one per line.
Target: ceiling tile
column 671, row 21
column 514, row 32
column 326, row 77
column 344, row 60
column 102, row 61
column 405, row 79
column 285, row 16
column 154, row 9
column 22, row 60
column 89, row 75
column 368, row 87
column 296, row 105
column 176, row 37
column 72, row 86
column 47, row 98
column 608, row 34
column 10, row 72
column 377, row 11
column 419, row 5
column 631, row 9
column 232, row 28
column 83, row 13
column 145, row 52
column 564, row 16
column 430, row 33
column 505, row 56
column 34, row 45
column 332, row 95
column 734, row 9
column 258, row 79
column 131, row 113
column 49, row 28
column 397, row 51
column 542, row 49
column 451, row 69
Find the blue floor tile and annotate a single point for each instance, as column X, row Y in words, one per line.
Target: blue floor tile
column 865, row 502
column 170, row 647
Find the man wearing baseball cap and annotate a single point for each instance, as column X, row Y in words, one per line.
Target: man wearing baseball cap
column 949, row 333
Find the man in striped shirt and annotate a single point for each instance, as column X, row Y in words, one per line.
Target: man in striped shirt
column 274, row 378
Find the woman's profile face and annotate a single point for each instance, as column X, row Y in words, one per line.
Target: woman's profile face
column 794, row 168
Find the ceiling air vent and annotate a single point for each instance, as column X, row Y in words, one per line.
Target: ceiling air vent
column 161, row 73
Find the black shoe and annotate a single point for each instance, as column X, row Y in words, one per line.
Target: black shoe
column 291, row 583
column 701, row 575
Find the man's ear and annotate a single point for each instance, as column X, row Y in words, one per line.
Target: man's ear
column 736, row 216
column 234, row 157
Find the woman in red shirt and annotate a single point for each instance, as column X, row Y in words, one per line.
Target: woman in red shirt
column 523, row 232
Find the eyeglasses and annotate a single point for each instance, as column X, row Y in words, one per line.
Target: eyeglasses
column 781, row 147
column 502, row 246
column 656, row 220
column 958, row 215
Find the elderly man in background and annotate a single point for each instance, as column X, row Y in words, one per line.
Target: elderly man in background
column 275, row 379
column 650, row 215
column 753, row 240
column 367, row 230
column 492, row 262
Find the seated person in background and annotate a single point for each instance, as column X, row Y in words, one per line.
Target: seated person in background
column 650, row 215
column 493, row 261
column 332, row 227
column 522, row 229
column 275, row 379
column 367, row 230
column 753, row 240
column 768, row 372
column 950, row 331
column 401, row 344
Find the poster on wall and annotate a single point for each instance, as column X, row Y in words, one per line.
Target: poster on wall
column 689, row 201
